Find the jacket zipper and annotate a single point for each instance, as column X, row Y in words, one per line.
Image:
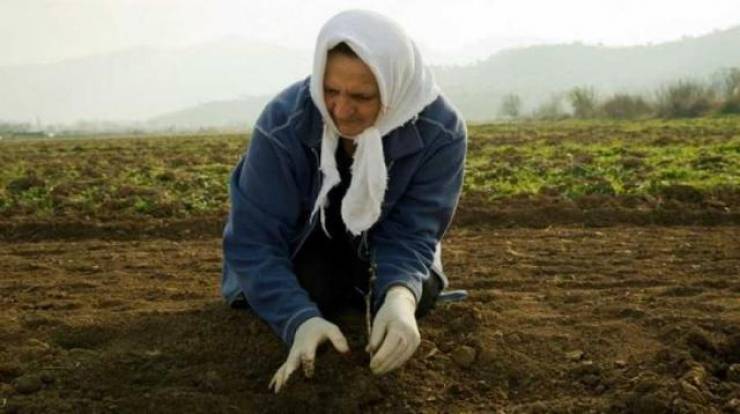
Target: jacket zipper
column 363, row 249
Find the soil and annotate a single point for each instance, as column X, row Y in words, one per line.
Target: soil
column 560, row 319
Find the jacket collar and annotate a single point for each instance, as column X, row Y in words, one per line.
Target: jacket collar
column 402, row 141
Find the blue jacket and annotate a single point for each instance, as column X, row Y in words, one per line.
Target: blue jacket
column 275, row 185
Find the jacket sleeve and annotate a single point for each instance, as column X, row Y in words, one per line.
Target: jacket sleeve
column 404, row 242
column 264, row 215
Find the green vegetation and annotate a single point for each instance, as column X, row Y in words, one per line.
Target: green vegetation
column 117, row 178
column 573, row 159
column 175, row 177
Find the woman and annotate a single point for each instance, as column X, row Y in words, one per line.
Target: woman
column 315, row 225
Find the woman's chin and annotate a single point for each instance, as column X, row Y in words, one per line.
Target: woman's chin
column 350, row 132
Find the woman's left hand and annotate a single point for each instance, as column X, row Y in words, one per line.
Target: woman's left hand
column 395, row 335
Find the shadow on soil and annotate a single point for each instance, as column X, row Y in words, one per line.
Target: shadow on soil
column 214, row 359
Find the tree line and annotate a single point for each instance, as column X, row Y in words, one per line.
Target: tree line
column 684, row 98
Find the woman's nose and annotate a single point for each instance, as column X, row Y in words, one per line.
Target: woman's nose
column 342, row 108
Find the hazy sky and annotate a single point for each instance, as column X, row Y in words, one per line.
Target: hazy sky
column 50, row 30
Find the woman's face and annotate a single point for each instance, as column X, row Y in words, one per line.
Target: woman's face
column 351, row 94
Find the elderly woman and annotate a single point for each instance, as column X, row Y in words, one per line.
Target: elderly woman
column 350, row 182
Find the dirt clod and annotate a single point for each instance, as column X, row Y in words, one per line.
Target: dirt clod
column 9, row 371
column 733, row 406
column 211, row 381
column 6, row 389
column 591, row 380
column 733, row 373
column 487, row 356
column 576, row 355
column 464, row 356
column 47, row 378
column 28, row 384
column 648, row 403
column 12, row 408
column 692, row 393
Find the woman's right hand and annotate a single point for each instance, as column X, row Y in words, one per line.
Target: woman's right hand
column 309, row 335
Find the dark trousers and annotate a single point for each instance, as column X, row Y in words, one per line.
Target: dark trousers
column 336, row 276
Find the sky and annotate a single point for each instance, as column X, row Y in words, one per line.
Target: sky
column 42, row 31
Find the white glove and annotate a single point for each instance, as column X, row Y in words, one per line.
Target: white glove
column 309, row 335
column 394, row 326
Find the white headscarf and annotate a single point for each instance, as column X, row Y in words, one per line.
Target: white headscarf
column 406, row 86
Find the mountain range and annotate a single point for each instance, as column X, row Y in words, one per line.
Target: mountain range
column 227, row 82
column 538, row 73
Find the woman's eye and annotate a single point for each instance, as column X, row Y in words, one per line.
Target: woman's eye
column 363, row 98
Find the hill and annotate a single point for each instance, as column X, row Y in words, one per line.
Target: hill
column 227, row 81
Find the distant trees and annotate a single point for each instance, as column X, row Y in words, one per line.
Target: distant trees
column 511, row 106
column 626, row 106
column 731, row 105
column 551, row 109
column 583, row 101
column 727, row 82
column 684, row 99
column 6, row 127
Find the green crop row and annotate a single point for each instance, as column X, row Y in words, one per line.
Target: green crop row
column 613, row 166
column 154, row 176
column 187, row 176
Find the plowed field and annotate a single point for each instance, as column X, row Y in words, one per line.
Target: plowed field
column 602, row 261
column 561, row 319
